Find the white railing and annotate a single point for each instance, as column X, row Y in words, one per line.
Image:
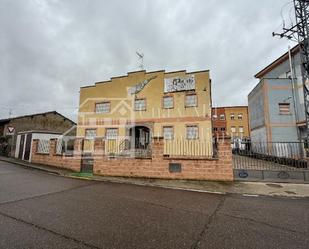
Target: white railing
column 43, row 146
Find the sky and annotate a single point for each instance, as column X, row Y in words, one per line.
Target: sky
column 49, row 49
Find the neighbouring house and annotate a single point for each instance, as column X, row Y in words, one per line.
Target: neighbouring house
column 276, row 104
column 130, row 110
column 231, row 121
column 47, row 122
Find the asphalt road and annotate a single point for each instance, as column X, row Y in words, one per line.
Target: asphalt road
column 40, row 210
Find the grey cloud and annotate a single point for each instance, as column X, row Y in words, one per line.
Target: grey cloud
column 51, row 48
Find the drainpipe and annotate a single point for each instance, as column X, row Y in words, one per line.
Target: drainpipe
column 293, row 94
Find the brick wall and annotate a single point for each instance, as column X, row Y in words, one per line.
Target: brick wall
column 69, row 162
column 219, row 169
column 158, row 166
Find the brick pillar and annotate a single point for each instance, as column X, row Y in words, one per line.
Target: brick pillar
column 34, row 148
column 225, row 158
column 224, row 148
column 157, row 148
column 52, row 147
column 78, row 146
column 99, row 147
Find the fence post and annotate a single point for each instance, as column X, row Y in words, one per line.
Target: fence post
column 157, row 149
column 52, row 147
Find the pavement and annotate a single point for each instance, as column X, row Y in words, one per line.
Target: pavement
column 39, row 209
column 245, row 188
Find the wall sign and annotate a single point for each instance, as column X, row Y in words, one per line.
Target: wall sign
column 177, row 84
column 140, row 86
column 10, row 130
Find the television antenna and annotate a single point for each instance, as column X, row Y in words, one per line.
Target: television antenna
column 141, row 60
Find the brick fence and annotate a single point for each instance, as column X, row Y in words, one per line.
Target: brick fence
column 52, row 159
column 157, row 166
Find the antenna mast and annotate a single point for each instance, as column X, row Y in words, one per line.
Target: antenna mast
column 141, row 60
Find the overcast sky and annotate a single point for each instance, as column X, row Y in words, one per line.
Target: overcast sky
column 48, row 49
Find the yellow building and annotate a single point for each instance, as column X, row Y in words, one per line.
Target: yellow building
column 130, row 110
column 237, row 121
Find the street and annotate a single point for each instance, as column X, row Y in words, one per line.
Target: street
column 40, row 210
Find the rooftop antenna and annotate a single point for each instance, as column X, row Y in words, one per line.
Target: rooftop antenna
column 141, row 60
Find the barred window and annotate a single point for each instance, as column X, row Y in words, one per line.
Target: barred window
column 90, row 133
column 168, row 102
column 192, row 132
column 191, row 100
column 103, row 107
column 284, row 108
column 168, row 132
column 111, row 133
column 140, row 104
column 43, row 146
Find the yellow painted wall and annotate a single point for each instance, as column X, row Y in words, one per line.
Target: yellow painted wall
column 122, row 105
column 237, row 123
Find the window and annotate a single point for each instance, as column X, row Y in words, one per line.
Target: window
column 241, row 129
column 222, row 129
column 168, row 132
column 192, row 132
column 232, row 116
column 103, row 107
column 140, row 105
column 111, row 133
column 191, row 100
column 90, row 133
column 214, row 116
column 284, row 108
column 222, row 117
column 239, row 116
column 233, row 129
column 215, row 129
column 168, row 102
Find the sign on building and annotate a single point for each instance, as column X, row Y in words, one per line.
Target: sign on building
column 177, row 84
column 10, row 130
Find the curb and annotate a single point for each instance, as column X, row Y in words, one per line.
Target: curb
column 25, row 165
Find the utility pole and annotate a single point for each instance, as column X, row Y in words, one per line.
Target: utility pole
column 301, row 30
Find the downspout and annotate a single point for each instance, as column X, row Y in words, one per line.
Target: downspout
column 293, row 94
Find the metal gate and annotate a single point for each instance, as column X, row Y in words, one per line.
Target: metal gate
column 271, row 161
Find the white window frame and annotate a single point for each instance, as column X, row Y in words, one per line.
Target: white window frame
column 191, row 104
column 172, row 102
column 222, row 117
column 168, row 136
column 140, row 108
column 90, row 129
column 109, row 136
column 191, row 137
column 103, row 109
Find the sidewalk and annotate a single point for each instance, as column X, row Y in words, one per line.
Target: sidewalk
column 244, row 188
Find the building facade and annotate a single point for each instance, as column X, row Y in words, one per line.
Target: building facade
column 276, row 104
column 130, row 110
column 231, row 121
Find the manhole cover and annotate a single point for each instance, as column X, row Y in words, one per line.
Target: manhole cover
column 273, row 185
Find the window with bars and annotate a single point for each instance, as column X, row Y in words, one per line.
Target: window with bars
column 111, row 133
column 90, row 133
column 43, row 146
column 168, row 132
column 191, row 100
column 192, row 132
column 168, row 102
column 103, row 107
column 284, row 108
column 140, row 104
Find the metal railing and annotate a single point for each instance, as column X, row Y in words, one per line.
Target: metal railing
column 269, row 155
column 190, row 148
